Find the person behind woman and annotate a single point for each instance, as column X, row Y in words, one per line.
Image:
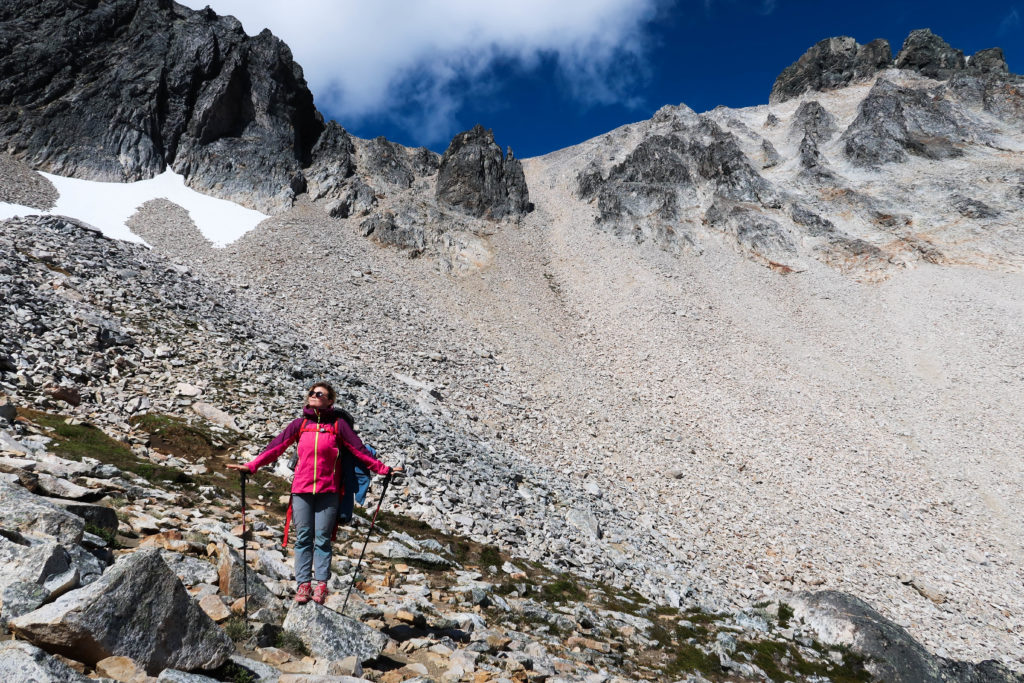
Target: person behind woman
column 321, row 433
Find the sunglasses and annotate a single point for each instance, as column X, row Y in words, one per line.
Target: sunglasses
column 317, row 394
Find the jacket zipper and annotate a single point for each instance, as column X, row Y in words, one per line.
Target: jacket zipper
column 316, row 442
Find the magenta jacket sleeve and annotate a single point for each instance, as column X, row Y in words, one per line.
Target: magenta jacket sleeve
column 278, row 446
column 355, row 446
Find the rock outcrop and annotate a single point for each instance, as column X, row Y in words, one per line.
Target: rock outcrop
column 894, row 121
column 474, row 177
column 663, row 187
column 929, row 55
column 837, row 62
column 138, row 609
column 121, row 90
column 832, row 63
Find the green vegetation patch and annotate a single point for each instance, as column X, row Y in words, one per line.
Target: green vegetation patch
column 785, row 614
column 181, row 438
column 562, row 589
column 290, row 641
column 77, row 441
column 691, row 658
column 236, row 628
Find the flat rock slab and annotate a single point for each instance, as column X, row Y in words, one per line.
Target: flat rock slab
column 397, row 551
column 175, row 676
column 27, row 513
column 98, row 515
column 137, row 609
column 329, row 635
column 20, row 661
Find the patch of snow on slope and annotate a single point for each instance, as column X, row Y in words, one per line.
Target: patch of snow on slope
column 108, row 206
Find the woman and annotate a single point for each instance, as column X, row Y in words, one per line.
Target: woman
column 321, row 432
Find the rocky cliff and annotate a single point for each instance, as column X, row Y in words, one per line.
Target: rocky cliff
column 121, row 89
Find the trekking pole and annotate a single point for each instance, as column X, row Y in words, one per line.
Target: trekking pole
column 245, row 563
column 387, row 480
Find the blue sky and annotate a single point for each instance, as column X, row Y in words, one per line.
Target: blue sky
column 548, row 75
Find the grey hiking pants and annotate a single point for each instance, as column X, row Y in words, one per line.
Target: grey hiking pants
column 314, row 515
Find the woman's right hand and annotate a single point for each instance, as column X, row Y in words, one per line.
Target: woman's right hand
column 233, row 466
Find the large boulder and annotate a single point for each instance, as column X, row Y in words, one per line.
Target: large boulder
column 830, row 64
column 329, row 635
column 477, row 179
column 26, row 513
column 119, row 90
column 929, row 55
column 137, row 609
column 21, row 661
column 891, row 653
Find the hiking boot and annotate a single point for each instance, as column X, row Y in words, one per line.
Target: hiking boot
column 320, row 593
column 303, row 593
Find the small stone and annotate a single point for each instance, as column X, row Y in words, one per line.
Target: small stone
column 215, row 608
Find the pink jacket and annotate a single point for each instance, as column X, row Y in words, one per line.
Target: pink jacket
column 320, row 435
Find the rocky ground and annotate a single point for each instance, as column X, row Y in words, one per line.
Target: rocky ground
column 118, row 514
column 756, row 431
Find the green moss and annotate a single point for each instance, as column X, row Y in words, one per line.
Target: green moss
column 75, row 442
column 622, row 600
column 852, row 670
column 683, row 632
column 235, row 673
column 658, row 634
column 767, row 655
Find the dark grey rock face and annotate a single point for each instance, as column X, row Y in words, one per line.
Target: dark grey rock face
column 754, row 231
column 120, row 89
column 475, row 178
column 813, row 121
column 892, row 654
column 137, row 609
column 988, row 61
column 894, row 121
column 659, row 189
column 1000, row 94
column 929, row 55
column 333, row 162
column 832, row 63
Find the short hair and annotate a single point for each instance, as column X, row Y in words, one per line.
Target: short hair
column 331, row 394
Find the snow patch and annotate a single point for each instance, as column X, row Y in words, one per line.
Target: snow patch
column 108, row 206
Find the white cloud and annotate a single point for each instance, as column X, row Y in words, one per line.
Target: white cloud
column 1010, row 23
column 417, row 61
